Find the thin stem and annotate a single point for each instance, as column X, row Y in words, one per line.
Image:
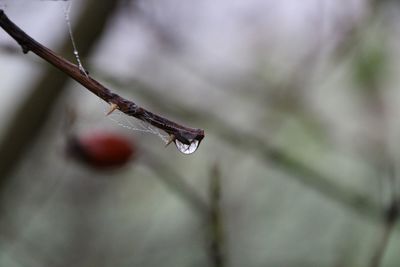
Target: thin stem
column 216, row 246
column 391, row 218
column 184, row 134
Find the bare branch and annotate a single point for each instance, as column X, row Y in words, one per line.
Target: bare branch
column 179, row 134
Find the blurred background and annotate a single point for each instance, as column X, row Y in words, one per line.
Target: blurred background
column 299, row 165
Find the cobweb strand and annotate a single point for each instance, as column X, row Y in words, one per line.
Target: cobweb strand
column 67, row 10
column 133, row 124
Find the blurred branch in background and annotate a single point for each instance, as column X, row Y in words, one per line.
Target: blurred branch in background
column 211, row 213
column 37, row 106
column 388, row 228
column 217, row 248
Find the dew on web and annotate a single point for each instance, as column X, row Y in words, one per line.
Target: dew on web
column 67, row 10
column 133, row 124
column 137, row 125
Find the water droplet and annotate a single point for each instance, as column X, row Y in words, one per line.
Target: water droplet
column 187, row 149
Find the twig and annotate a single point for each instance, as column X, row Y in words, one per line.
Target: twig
column 177, row 132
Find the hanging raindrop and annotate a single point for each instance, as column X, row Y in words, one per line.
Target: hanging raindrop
column 187, row 149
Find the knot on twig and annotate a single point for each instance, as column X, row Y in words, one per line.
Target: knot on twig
column 25, row 48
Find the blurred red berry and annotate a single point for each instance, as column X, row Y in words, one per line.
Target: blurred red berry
column 101, row 150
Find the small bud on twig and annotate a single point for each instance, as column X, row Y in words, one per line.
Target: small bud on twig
column 113, row 107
